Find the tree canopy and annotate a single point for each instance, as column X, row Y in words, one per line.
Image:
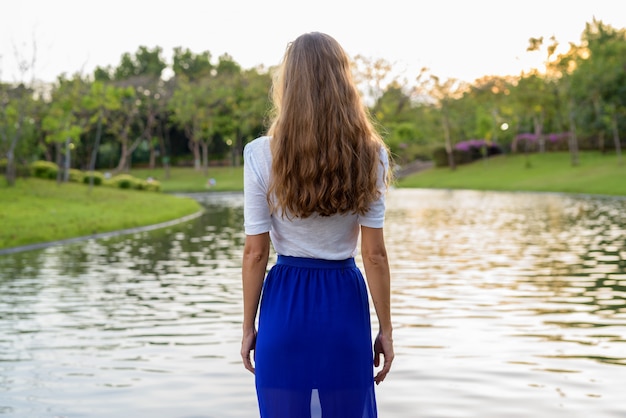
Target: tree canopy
column 200, row 111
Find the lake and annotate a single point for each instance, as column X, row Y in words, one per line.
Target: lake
column 504, row 305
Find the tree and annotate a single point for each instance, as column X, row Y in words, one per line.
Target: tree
column 251, row 108
column 534, row 92
column 444, row 93
column 153, row 94
column 103, row 99
column 598, row 78
column 189, row 111
column 16, row 107
column 191, row 66
column 408, row 125
column 145, row 62
column 142, row 98
column 121, row 123
column 62, row 122
column 372, row 76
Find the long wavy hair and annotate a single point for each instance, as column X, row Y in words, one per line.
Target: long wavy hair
column 325, row 149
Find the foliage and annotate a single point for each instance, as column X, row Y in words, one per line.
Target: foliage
column 49, row 170
column 94, row 177
column 44, row 169
column 120, row 117
column 151, row 185
column 76, row 176
column 123, row 181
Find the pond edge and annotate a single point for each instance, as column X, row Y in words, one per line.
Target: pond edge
column 43, row 245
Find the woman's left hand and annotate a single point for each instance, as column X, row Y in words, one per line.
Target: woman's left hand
column 248, row 344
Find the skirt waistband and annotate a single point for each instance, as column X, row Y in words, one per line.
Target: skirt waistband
column 315, row 262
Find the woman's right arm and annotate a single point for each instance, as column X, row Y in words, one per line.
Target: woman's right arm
column 376, row 265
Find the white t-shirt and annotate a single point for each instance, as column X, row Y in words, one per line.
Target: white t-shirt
column 324, row 237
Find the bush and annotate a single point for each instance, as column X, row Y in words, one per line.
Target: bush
column 21, row 170
column 44, row 169
column 98, row 178
column 440, row 157
column 152, row 186
column 125, row 181
column 76, row 175
column 476, row 149
column 466, row 152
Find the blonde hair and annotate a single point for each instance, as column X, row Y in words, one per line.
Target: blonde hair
column 325, row 150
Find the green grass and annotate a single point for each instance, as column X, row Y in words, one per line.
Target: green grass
column 37, row 211
column 550, row 172
column 183, row 179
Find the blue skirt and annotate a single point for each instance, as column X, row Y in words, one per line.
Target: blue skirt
column 314, row 345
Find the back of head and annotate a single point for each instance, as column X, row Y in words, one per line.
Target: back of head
column 325, row 149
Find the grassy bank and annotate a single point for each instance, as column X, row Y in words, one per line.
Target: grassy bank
column 550, row 172
column 36, row 211
column 596, row 174
column 183, row 179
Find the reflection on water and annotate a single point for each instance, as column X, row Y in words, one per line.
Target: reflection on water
column 505, row 305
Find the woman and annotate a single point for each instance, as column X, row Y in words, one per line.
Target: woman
column 315, row 182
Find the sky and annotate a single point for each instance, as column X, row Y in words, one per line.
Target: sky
column 461, row 39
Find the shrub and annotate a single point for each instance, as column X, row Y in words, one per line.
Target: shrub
column 152, row 186
column 76, row 175
column 44, row 169
column 125, row 181
column 466, row 152
column 478, row 148
column 98, row 178
column 21, row 170
column 440, row 157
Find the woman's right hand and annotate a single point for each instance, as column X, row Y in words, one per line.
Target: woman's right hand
column 383, row 345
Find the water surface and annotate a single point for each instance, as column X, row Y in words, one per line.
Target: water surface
column 505, row 305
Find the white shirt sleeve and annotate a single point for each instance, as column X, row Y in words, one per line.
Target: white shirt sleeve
column 256, row 211
column 375, row 217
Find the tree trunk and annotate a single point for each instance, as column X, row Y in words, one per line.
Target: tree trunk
column 47, row 150
column 59, row 161
column 94, row 152
column 573, row 139
column 601, row 146
column 147, row 134
column 66, row 165
column 152, row 162
column 541, row 140
column 448, row 140
column 597, row 107
column 11, row 171
column 237, row 149
column 205, row 158
column 126, row 154
column 195, row 148
column 164, row 157
column 121, row 165
column 616, row 139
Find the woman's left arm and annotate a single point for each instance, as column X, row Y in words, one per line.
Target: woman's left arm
column 255, row 257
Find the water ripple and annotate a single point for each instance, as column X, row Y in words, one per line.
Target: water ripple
column 505, row 305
